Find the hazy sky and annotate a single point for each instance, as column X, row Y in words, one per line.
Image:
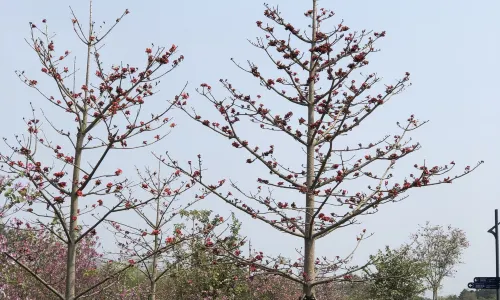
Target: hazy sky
column 450, row 47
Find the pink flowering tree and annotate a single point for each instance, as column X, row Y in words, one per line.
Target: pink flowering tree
column 105, row 108
column 325, row 98
column 41, row 253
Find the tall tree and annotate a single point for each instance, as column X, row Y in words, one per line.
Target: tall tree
column 106, row 110
column 441, row 250
column 324, row 100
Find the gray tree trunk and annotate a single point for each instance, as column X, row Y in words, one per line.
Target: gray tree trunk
column 434, row 293
column 309, row 242
column 73, row 220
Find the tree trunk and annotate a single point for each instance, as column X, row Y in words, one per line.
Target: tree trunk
column 73, row 221
column 309, row 251
column 154, row 271
column 434, row 293
column 71, row 268
column 309, row 269
column 309, row 242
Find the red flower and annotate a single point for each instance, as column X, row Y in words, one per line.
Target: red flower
column 118, row 172
column 79, row 193
column 360, row 57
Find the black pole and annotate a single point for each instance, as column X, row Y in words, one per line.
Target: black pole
column 494, row 230
column 496, row 251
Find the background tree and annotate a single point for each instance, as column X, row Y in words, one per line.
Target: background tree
column 43, row 254
column 441, row 250
column 151, row 236
column 106, row 110
column 486, row 294
column 325, row 100
column 176, row 249
column 467, row 295
column 399, row 275
column 204, row 273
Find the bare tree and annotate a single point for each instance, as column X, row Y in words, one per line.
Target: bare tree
column 441, row 250
column 106, row 109
column 324, row 100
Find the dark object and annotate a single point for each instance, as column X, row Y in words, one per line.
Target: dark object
column 490, row 283
column 486, row 280
column 483, row 286
column 495, row 234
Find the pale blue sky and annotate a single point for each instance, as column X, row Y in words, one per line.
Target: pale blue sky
column 450, row 47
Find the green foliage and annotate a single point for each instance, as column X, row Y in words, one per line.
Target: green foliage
column 486, row 294
column 205, row 273
column 129, row 279
column 399, row 275
column 467, row 295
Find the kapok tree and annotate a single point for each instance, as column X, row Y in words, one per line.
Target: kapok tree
column 106, row 110
column 164, row 225
column 324, row 99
